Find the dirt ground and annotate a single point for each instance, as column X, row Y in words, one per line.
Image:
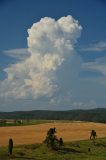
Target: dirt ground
column 36, row 133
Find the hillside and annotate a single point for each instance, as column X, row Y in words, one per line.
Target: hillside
column 70, row 151
column 94, row 115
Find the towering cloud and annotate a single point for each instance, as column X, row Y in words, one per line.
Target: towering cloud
column 50, row 42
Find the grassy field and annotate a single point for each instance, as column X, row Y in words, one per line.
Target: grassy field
column 77, row 150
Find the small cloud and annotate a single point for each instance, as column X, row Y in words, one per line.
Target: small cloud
column 19, row 53
column 82, row 105
column 61, row 99
column 98, row 66
column 97, row 47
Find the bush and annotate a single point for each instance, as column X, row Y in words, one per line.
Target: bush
column 52, row 140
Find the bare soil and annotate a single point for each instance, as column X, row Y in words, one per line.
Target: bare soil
column 36, row 133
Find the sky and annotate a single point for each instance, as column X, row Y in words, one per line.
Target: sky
column 52, row 54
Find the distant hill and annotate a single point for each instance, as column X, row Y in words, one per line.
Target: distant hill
column 95, row 115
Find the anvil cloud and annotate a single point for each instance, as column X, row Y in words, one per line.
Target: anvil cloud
column 50, row 42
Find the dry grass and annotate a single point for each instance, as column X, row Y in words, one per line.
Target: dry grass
column 36, row 133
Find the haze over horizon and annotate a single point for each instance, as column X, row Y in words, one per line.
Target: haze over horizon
column 52, row 55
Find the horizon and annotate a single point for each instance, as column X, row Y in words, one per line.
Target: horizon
column 86, row 109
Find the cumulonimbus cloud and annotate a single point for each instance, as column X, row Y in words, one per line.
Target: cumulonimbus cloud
column 49, row 44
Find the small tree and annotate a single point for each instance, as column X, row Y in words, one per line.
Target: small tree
column 60, row 141
column 10, row 146
column 93, row 135
column 51, row 138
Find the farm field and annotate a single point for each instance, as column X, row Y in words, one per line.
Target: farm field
column 71, row 131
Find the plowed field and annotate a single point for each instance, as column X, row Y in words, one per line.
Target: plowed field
column 36, row 133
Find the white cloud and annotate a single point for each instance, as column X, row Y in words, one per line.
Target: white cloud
column 50, row 42
column 97, row 47
column 66, row 101
column 61, row 99
column 99, row 65
column 19, row 53
column 82, row 105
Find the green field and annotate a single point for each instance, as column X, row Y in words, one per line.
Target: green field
column 24, row 123
column 70, row 151
column 33, row 122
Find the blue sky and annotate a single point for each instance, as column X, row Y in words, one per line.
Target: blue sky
column 73, row 80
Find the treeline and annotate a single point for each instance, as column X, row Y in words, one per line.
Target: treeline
column 94, row 115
